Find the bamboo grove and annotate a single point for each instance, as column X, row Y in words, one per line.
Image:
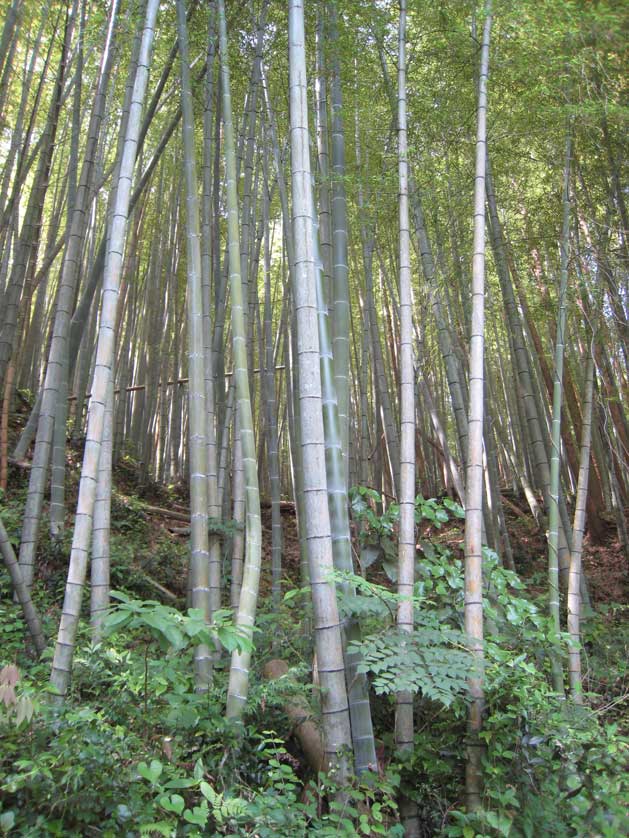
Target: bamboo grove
column 275, row 251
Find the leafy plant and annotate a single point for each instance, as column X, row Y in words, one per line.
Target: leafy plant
column 15, row 708
column 430, row 660
column 377, row 534
column 69, row 775
column 170, row 628
column 11, row 510
column 275, row 806
column 226, row 529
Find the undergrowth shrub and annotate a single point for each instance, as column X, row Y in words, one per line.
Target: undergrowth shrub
column 136, row 751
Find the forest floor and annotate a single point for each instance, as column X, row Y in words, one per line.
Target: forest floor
column 165, row 509
column 605, row 567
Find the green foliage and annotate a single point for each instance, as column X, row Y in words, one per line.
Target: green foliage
column 201, row 806
column 377, row 534
column 77, row 772
column 12, row 625
column 11, row 509
column 275, row 807
column 122, row 759
column 538, row 750
column 226, row 529
column 172, row 629
column 432, row 660
column 68, row 775
column 607, row 671
column 129, row 515
column 425, row 661
column 15, row 707
column 547, row 762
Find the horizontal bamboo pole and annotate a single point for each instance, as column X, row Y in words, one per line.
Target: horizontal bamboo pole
column 136, row 387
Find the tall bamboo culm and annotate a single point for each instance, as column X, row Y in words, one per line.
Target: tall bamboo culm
column 574, row 579
column 199, row 546
column 327, row 628
column 103, row 370
column 406, row 559
column 555, row 452
column 474, row 470
column 239, row 670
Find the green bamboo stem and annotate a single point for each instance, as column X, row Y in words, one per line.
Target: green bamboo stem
column 199, row 545
column 100, row 563
column 338, row 504
column 66, row 638
column 555, row 459
column 404, row 726
column 22, row 592
column 327, row 628
column 341, row 313
column 474, row 471
column 239, row 670
column 574, row 579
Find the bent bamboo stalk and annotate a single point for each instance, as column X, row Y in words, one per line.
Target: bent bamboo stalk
column 300, row 714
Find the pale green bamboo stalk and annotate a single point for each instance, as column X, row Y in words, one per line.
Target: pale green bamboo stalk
column 327, row 628
column 574, row 579
column 248, row 192
column 555, row 458
column 292, row 368
column 57, row 507
column 492, row 473
column 323, row 154
column 341, row 314
column 456, row 382
column 296, row 453
column 82, row 371
column 207, row 246
column 22, row 592
column 224, row 446
column 270, row 402
column 474, row 471
column 66, row 638
column 404, row 732
column 100, row 564
column 338, row 504
column 199, row 547
column 238, row 515
column 79, row 214
column 239, row 669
